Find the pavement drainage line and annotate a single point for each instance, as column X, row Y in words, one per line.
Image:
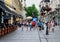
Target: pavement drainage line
column 45, row 37
column 39, row 36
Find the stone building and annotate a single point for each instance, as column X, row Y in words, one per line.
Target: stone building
column 55, row 12
column 11, row 10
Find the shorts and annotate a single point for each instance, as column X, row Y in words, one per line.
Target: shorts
column 39, row 26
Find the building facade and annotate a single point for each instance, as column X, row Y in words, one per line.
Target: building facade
column 14, row 5
column 55, row 12
column 55, row 4
column 23, row 2
column 11, row 10
column 9, row 15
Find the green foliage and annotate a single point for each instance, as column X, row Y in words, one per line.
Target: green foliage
column 31, row 11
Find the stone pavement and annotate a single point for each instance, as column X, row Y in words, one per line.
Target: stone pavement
column 52, row 37
column 21, row 36
column 32, row 36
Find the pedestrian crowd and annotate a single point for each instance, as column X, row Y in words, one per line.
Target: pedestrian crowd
column 39, row 24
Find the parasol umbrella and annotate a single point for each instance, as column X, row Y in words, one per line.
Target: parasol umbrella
column 29, row 17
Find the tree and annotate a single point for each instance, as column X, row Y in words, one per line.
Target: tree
column 31, row 11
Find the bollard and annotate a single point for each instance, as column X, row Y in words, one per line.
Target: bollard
column 47, row 32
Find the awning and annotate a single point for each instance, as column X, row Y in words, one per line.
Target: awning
column 29, row 17
column 6, row 9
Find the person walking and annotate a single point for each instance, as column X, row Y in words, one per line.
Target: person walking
column 47, row 31
column 27, row 25
column 52, row 25
column 30, row 25
column 33, row 24
column 40, row 25
column 49, row 25
column 22, row 25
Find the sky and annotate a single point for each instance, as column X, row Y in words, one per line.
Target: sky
column 30, row 2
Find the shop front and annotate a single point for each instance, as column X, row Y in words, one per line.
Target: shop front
column 7, row 20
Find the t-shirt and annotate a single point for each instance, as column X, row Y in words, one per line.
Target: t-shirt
column 33, row 23
column 40, row 24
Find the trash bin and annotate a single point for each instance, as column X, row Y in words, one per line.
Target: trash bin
column 2, row 32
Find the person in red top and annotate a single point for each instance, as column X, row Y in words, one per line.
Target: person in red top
column 33, row 24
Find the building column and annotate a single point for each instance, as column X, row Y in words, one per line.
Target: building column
column 2, row 18
column 11, row 19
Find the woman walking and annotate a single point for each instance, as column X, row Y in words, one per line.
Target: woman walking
column 52, row 25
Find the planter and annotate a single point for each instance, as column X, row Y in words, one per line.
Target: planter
column 15, row 27
column 0, row 32
column 3, row 30
column 8, row 29
column 11, row 29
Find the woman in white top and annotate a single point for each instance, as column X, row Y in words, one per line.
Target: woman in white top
column 52, row 25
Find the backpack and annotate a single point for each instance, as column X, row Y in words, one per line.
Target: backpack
column 33, row 23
